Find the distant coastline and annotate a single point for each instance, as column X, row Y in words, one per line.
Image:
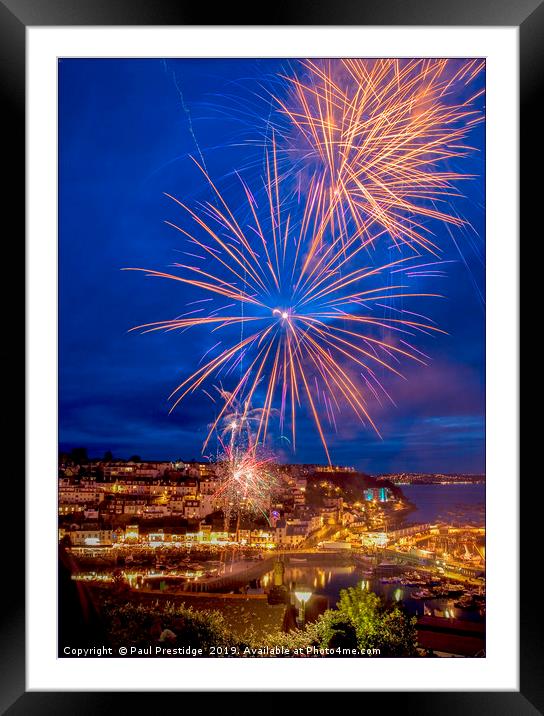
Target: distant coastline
column 415, row 478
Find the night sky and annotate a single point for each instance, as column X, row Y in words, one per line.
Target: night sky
column 126, row 131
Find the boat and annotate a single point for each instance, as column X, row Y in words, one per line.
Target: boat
column 422, row 594
column 454, row 589
column 465, row 602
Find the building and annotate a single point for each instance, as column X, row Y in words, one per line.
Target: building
column 382, row 538
column 122, row 505
column 154, row 511
column 402, row 534
column 290, row 534
column 90, row 537
column 188, row 487
column 332, row 510
column 79, row 494
column 200, row 469
column 256, row 538
column 132, row 533
column 374, row 539
column 299, row 495
column 191, row 508
column 377, row 494
column 209, row 485
column 137, row 470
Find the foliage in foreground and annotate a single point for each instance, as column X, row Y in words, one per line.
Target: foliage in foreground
column 139, row 625
column 361, row 621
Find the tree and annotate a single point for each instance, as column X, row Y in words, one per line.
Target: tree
column 337, row 630
column 135, row 458
column 399, row 633
column 390, row 630
column 79, row 456
column 360, row 621
column 108, row 456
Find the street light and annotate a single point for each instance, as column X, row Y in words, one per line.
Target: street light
column 302, row 594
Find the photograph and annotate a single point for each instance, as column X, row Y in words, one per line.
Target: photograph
column 271, row 357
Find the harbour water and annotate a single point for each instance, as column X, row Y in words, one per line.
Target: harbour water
column 453, row 504
column 327, row 574
column 328, row 580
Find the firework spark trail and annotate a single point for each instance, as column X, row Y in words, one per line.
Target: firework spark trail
column 246, row 480
column 240, row 423
column 382, row 133
column 307, row 298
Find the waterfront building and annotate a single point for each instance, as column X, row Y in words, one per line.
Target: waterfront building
column 90, row 537
column 132, row 533
column 377, row 494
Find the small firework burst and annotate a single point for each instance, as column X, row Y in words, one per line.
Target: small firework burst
column 246, row 483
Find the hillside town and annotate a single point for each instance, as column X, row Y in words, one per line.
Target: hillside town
column 110, row 502
column 149, row 534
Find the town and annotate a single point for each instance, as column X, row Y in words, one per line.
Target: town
column 160, row 529
column 111, row 502
column 418, row 478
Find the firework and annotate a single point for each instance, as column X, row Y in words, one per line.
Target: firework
column 298, row 316
column 382, row 134
column 239, row 424
column 246, row 482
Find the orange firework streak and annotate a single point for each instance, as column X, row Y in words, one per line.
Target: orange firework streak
column 381, row 134
column 311, row 322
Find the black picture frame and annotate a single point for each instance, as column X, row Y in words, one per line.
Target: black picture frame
column 528, row 16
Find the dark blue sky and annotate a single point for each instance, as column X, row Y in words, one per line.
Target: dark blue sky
column 126, row 130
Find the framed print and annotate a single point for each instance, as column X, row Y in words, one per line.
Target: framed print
column 272, row 354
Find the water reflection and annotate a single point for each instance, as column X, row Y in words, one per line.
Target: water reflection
column 323, row 580
column 330, row 580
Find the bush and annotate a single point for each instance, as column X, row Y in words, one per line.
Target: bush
column 361, row 621
column 388, row 629
column 337, row 631
column 140, row 625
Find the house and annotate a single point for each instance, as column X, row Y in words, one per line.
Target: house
column 123, row 505
column 289, row 534
column 90, row 537
column 191, row 508
column 153, row 511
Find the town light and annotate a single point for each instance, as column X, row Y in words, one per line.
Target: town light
column 303, row 594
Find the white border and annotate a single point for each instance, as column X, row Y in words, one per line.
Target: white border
column 499, row 670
